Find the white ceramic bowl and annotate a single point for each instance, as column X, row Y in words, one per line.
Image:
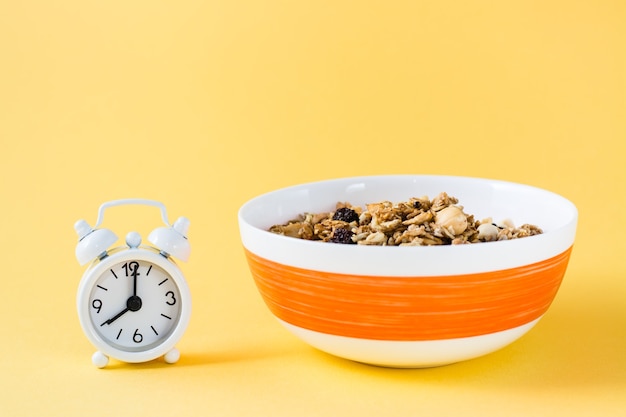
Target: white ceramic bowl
column 409, row 306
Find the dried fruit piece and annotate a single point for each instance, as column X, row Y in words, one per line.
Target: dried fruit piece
column 342, row 235
column 346, row 214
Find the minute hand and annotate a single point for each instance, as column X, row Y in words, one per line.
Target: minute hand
column 135, row 267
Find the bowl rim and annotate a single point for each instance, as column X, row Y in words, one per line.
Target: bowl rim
column 257, row 239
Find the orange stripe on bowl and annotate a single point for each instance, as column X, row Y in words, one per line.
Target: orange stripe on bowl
column 408, row 308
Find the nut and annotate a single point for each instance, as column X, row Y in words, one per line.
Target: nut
column 452, row 219
column 487, row 232
column 377, row 238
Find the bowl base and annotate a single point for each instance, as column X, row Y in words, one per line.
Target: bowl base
column 409, row 354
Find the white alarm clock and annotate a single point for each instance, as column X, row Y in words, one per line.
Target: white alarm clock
column 133, row 301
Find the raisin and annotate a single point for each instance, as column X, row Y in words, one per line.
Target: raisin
column 346, row 214
column 342, row 235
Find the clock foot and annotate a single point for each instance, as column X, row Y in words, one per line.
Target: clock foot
column 100, row 359
column 172, row 356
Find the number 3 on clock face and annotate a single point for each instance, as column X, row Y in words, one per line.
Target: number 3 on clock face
column 134, row 305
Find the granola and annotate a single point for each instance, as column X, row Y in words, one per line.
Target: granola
column 416, row 222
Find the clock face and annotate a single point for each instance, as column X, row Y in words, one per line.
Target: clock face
column 134, row 305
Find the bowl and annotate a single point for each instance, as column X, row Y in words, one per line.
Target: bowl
column 409, row 306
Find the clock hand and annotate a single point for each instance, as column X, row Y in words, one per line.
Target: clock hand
column 135, row 273
column 117, row 316
column 132, row 304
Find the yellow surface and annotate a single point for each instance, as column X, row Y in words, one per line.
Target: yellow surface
column 203, row 105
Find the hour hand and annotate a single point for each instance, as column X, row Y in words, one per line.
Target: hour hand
column 132, row 304
column 117, row 316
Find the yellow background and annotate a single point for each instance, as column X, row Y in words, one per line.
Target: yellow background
column 204, row 104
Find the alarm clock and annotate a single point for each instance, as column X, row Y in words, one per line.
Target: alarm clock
column 133, row 301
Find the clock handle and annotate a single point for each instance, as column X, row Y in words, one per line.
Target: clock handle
column 131, row 201
column 171, row 240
